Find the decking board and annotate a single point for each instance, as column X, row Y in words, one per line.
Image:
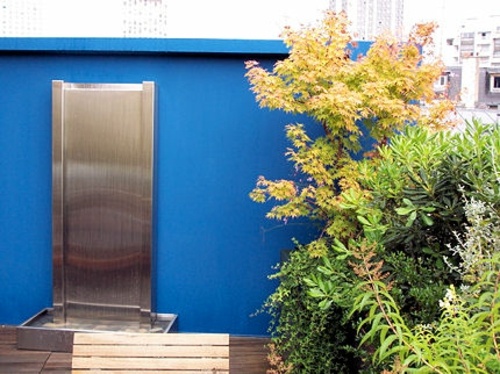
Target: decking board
column 247, row 356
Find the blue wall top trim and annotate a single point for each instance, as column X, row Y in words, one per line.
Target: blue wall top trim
column 136, row 45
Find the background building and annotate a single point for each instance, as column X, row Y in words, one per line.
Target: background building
column 144, row 18
column 472, row 58
column 20, row 18
column 372, row 17
column 91, row 18
column 477, row 37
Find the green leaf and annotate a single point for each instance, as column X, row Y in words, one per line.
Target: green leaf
column 385, row 346
column 363, row 221
column 404, row 211
column 325, row 304
column 408, row 203
column 339, row 246
column 426, row 219
column 310, row 282
column 361, row 302
column 410, row 360
column 316, row 292
column 428, row 251
column 411, row 219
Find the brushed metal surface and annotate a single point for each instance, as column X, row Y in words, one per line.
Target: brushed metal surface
column 57, row 199
column 103, row 180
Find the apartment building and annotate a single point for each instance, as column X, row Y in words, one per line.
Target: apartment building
column 477, row 37
column 473, row 64
column 89, row 18
column 20, row 18
column 372, row 17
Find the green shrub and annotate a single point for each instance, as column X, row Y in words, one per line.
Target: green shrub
column 466, row 336
column 429, row 214
column 309, row 339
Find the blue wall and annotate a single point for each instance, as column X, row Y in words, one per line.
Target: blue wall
column 213, row 142
column 215, row 248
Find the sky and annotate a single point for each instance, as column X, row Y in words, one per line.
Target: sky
column 450, row 14
column 266, row 18
column 255, row 19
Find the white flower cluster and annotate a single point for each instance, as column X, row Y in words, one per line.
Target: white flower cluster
column 448, row 299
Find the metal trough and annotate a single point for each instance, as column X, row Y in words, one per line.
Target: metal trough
column 41, row 333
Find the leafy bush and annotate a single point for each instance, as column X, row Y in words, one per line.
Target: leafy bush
column 466, row 337
column 406, row 269
column 368, row 96
column 309, row 339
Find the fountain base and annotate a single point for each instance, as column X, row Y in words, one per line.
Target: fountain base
column 41, row 333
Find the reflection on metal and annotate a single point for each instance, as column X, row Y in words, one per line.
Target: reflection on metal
column 102, row 201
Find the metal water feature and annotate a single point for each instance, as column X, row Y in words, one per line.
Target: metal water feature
column 102, row 215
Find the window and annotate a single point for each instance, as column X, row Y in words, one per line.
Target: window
column 495, row 83
column 496, row 47
column 442, row 83
column 443, row 80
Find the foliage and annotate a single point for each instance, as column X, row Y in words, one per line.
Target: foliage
column 410, row 313
column 306, row 338
column 481, row 241
column 418, row 201
column 351, row 98
column 466, row 338
column 417, row 187
column 365, row 97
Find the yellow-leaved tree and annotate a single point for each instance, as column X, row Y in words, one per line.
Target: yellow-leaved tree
column 351, row 97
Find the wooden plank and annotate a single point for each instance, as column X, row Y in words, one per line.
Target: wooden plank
column 151, row 339
column 21, row 368
column 167, row 353
column 17, row 356
column 15, row 361
column 151, row 350
column 248, row 355
column 58, row 362
column 104, row 363
column 8, row 335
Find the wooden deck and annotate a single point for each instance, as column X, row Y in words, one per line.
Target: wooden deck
column 247, row 356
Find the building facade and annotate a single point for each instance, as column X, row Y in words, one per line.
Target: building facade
column 477, row 37
column 91, row 18
column 372, row 17
column 472, row 58
column 20, row 18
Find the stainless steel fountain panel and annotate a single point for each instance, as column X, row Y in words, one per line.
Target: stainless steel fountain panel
column 102, row 201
